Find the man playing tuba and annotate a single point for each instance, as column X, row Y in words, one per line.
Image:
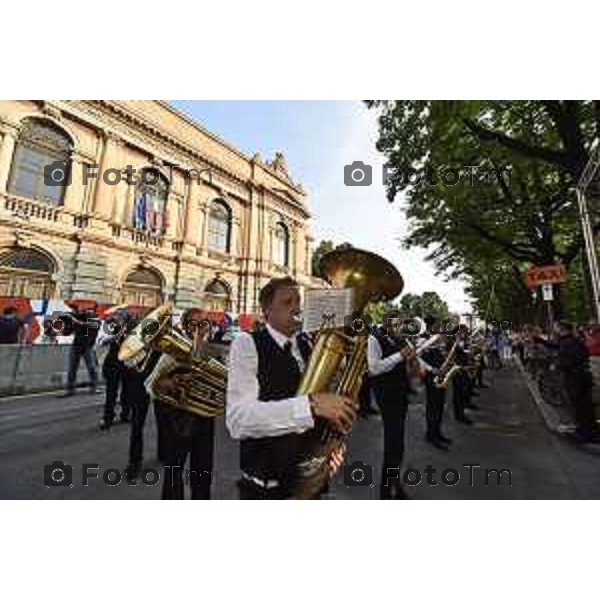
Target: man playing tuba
column 180, row 432
column 263, row 409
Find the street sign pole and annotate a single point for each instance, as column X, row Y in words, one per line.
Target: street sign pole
column 548, row 296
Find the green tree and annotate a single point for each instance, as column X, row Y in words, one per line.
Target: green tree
column 323, row 248
column 427, row 304
column 490, row 184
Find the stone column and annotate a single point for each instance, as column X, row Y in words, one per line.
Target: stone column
column 205, row 210
column 191, row 226
column 75, row 193
column 7, row 147
column 105, row 194
column 172, row 211
column 293, row 251
column 235, row 236
column 124, row 209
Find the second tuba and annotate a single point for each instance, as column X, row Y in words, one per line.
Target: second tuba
column 200, row 381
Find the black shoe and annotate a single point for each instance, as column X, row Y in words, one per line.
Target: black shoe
column 105, row 424
column 472, row 406
column 371, row 410
column 124, row 418
column 464, row 420
column 444, row 439
column 484, row 387
column 436, row 442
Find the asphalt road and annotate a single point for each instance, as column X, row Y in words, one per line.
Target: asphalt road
column 508, row 434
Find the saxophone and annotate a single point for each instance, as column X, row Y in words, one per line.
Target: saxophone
column 448, row 370
column 339, row 358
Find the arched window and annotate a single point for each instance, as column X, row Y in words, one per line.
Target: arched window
column 282, row 245
column 41, row 165
column 217, row 295
column 26, row 272
column 149, row 210
column 219, row 226
column 142, row 287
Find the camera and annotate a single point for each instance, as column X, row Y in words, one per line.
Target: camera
column 358, row 474
column 113, row 326
column 357, row 324
column 59, row 323
column 57, row 173
column 412, row 327
column 450, row 326
column 358, row 173
column 58, row 474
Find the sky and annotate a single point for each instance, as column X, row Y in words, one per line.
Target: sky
column 319, row 138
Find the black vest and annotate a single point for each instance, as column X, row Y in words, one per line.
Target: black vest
column 396, row 380
column 278, row 378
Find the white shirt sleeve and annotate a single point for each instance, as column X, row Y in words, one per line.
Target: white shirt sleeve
column 378, row 365
column 245, row 415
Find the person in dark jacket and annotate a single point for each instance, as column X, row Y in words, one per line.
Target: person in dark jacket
column 574, row 362
column 113, row 371
column 85, row 326
column 11, row 327
column 139, row 401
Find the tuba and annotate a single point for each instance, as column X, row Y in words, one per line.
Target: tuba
column 200, row 381
column 339, row 357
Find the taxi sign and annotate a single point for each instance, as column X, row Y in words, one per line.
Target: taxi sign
column 537, row 276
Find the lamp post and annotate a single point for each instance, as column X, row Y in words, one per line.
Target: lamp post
column 587, row 177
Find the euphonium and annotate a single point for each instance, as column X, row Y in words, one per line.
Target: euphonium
column 200, row 381
column 339, row 359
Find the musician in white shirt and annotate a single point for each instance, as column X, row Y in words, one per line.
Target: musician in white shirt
column 263, row 410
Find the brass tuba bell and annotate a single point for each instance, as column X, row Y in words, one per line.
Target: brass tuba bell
column 339, row 359
column 200, row 381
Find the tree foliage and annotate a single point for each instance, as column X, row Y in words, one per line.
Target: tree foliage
column 490, row 187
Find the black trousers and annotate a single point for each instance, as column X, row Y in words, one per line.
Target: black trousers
column 461, row 394
column 480, row 369
column 579, row 389
column 139, row 401
column 434, row 407
column 393, row 405
column 183, row 435
column 113, row 376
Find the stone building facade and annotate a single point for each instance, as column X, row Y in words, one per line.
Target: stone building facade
column 198, row 222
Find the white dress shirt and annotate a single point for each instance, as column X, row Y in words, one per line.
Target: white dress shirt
column 377, row 364
column 245, row 415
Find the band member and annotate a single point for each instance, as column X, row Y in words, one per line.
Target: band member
column 432, row 358
column 387, row 363
column 139, row 400
column 461, row 383
column 263, row 409
column 113, row 372
column 182, row 433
